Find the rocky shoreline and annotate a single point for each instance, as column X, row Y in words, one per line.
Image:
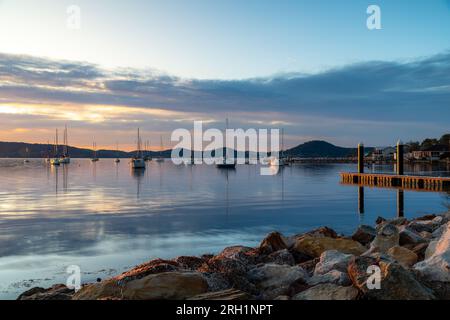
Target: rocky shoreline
column 412, row 259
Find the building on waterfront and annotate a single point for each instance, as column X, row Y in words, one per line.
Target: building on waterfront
column 433, row 153
column 383, row 154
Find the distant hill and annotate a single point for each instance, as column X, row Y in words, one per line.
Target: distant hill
column 321, row 149
column 312, row 149
column 28, row 150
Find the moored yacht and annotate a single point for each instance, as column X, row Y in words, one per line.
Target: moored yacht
column 226, row 163
column 94, row 152
column 138, row 161
column 65, row 158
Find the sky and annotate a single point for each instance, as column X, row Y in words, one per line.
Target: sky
column 310, row 67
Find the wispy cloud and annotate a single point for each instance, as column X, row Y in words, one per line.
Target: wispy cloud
column 396, row 94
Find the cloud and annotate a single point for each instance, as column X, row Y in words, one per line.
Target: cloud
column 382, row 92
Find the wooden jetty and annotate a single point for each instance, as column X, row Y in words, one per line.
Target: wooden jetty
column 398, row 180
column 435, row 184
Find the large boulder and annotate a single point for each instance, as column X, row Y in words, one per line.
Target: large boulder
column 405, row 257
column 273, row 280
column 233, row 264
column 315, row 246
column 224, row 295
column 333, row 276
column 272, row 243
column 145, row 269
column 189, row 263
column 327, row 291
column 364, row 234
column 167, row 285
column 280, row 257
column 396, row 283
column 56, row 292
column 436, row 268
column 323, row 232
column 386, row 238
column 409, row 236
column 427, row 225
column 332, row 260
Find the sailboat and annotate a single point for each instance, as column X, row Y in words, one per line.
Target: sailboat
column 117, row 153
column 48, row 158
column 138, row 161
column 281, row 160
column 65, row 158
column 94, row 152
column 55, row 160
column 146, row 151
column 160, row 158
column 225, row 163
column 27, row 151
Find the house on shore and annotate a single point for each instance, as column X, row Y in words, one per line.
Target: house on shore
column 383, row 154
column 433, row 153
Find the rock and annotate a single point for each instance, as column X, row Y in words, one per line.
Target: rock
column 100, row 290
column 438, row 232
column 272, row 243
column 409, row 236
column 386, row 238
column 225, row 295
column 333, row 276
column 56, row 292
column 273, row 280
column 419, row 226
column 426, row 217
column 332, row 260
column 189, row 263
column 323, row 232
column 380, row 220
column 216, row 281
column 429, row 252
column 405, row 257
column 396, row 283
column 235, row 253
column 435, row 269
column 395, row 222
column 426, row 235
column 283, row 298
column 145, row 269
column 439, row 220
column 364, row 234
column 231, row 260
column 167, row 285
column 327, row 291
column 280, row 257
column 315, row 246
column 420, row 250
column 309, row 265
column 233, row 264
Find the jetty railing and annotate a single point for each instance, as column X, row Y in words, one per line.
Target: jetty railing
column 398, row 180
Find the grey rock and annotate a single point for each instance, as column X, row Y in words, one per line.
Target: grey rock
column 332, row 260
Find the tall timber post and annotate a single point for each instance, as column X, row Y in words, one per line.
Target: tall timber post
column 361, row 170
column 400, row 172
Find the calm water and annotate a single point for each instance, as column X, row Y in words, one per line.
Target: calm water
column 105, row 218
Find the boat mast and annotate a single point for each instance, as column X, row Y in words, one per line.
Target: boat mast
column 138, row 153
column 66, row 142
column 56, row 144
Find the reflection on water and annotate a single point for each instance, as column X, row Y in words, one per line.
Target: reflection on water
column 105, row 217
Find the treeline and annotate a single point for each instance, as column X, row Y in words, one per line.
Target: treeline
column 429, row 142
